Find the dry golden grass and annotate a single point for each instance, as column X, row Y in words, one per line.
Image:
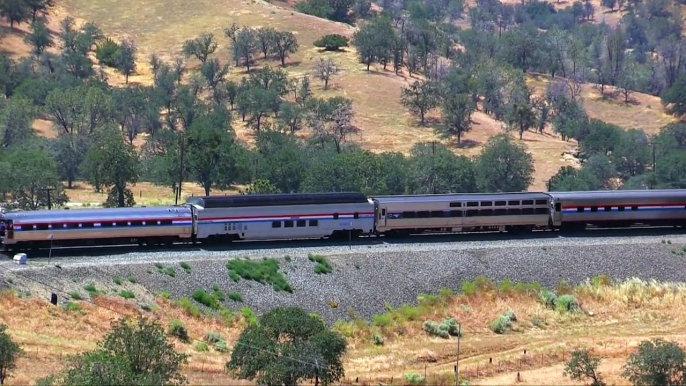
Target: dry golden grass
column 622, row 316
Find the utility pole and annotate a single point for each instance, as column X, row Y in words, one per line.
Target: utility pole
column 178, row 195
column 48, row 190
column 457, row 362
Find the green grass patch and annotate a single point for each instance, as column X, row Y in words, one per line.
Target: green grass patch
column 567, row 303
column 235, row 296
column 159, row 266
column 185, row 266
column 249, row 315
column 132, row 280
column 205, row 299
column 164, row 294
column 76, row 296
column 90, row 288
column 503, row 323
column 383, row 320
column 188, row 307
column 219, row 295
column 202, row 347
column 169, row 271
column 178, row 329
column 72, row 307
column 323, row 266
column 264, row 272
column 117, row 280
column 287, row 258
column 127, row 294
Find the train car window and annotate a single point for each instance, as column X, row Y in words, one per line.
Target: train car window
column 513, row 203
column 455, row 204
column 472, row 203
column 472, row 213
column 167, row 222
column 514, row 212
column 301, row 223
column 500, row 203
column 634, row 208
column 276, row 224
column 314, row 223
column 527, row 202
column 133, row 223
column 580, row 209
column 335, row 216
column 528, row 211
column 288, row 224
column 409, row 214
column 42, row 227
column 106, row 224
column 594, row 209
column 558, row 206
column 500, row 212
column 87, row 225
column 383, row 211
column 437, row 213
column 608, row 209
column 541, row 202
column 486, row 203
column 423, row 214
column 541, row 210
column 72, row 225
column 455, row 213
column 486, row 212
column 620, row 208
column 356, row 215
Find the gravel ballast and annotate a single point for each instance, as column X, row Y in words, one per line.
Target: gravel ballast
column 365, row 277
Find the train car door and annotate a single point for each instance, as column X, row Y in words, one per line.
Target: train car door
column 383, row 212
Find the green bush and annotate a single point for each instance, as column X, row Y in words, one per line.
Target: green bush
column 429, row 301
column 91, row 289
column 164, row 294
column 332, row 42
column 506, row 286
column 206, row 299
column 249, row 315
column 323, row 266
column 213, row 337
column 414, row 379
column 527, row 288
column 132, row 280
column 107, row 52
column 170, row 271
column 72, row 307
column 185, row 266
column 221, row 346
column 264, row 272
column 227, row 317
column 451, row 326
column 159, row 265
column 177, row 329
column 287, row 258
column 117, row 280
column 409, row 312
column 188, row 307
column 468, row 288
column 219, row 295
column 446, row 293
column 76, row 296
column 503, row 323
column 548, row 298
column 127, row 294
column 202, row 347
column 377, row 339
column 146, row 307
column 434, row 329
column 567, row 303
column 601, row 281
column 235, row 296
column 383, row 320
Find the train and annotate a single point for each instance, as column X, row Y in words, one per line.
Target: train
column 225, row 219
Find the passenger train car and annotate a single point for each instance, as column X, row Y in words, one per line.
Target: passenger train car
column 216, row 219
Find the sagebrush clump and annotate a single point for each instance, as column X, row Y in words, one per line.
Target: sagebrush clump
column 504, row 322
column 178, row 329
column 447, row 328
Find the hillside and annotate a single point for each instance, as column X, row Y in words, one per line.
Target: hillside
column 161, row 26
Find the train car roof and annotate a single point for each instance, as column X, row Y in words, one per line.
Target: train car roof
column 94, row 214
column 235, row 201
column 460, row 197
column 621, row 194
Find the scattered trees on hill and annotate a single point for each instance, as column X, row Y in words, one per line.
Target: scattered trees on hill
column 324, row 70
column 265, row 351
column 583, row 365
column 9, row 353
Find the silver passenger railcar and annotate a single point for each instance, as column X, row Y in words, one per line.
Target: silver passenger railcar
column 619, row 208
column 42, row 228
column 282, row 216
column 462, row 212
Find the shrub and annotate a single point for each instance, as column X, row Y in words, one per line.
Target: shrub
column 117, row 280
column 527, row 288
column 127, row 294
column 188, row 307
column 451, row 326
column 159, row 265
column 249, row 315
column 377, row 339
column 91, row 289
column 287, row 258
column 164, row 294
column 323, row 266
column 75, row 295
column 202, row 347
column 563, row 288
column 213, row 337
column 506, row 286
column 235, row 296
column 219, row 295
column 145, row 307
column 170, row 271
column 414, row 379
column 601, row 281
column 177, row 329
column 468, row 288
column 221, row 346
column 428, row 300
column 549, row 299
column 132, row 280
column 332, row 42
column 383, row 320
column 72, row 307
column 567, row 303
column 409, row 312
column 503, row 323
column 446, row 293
column 538, row 322
column 264, row 272
column 227, row 316
column 185, row 266
column 434, row 329
column 205, row 299
column 107, row 52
